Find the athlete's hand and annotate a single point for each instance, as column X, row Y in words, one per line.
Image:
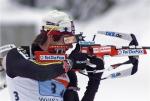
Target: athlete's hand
column 99, row 64
column 94, row 79
column 78, row 59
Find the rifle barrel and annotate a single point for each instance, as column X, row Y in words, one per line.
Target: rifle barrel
column 146, row 47
column 128, row 47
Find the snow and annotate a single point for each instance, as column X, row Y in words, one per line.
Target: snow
column 126, row 18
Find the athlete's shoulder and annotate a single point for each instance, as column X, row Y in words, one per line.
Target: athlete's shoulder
column 21, row 48
column 17, row 52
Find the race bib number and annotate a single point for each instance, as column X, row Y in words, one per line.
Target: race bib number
column 51, row 88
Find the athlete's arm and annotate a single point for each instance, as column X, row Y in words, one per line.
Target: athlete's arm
column 17, row 65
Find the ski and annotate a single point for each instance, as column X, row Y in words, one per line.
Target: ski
column 120, row 74
column 7, row 47
column 116, row 34
column 113, row 75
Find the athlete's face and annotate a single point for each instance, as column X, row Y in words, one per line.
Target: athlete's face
column 58, row 40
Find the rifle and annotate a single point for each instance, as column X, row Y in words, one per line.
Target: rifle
column 98, row 50
column 133, row 51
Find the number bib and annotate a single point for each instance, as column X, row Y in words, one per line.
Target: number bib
column 51, row 88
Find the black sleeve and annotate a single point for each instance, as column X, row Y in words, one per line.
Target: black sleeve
column 94, row 80
column 92, row 88
column 71, row 95
column 73, row 79
column 17, row 65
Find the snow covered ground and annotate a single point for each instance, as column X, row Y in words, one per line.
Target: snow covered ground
column 127, row 18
